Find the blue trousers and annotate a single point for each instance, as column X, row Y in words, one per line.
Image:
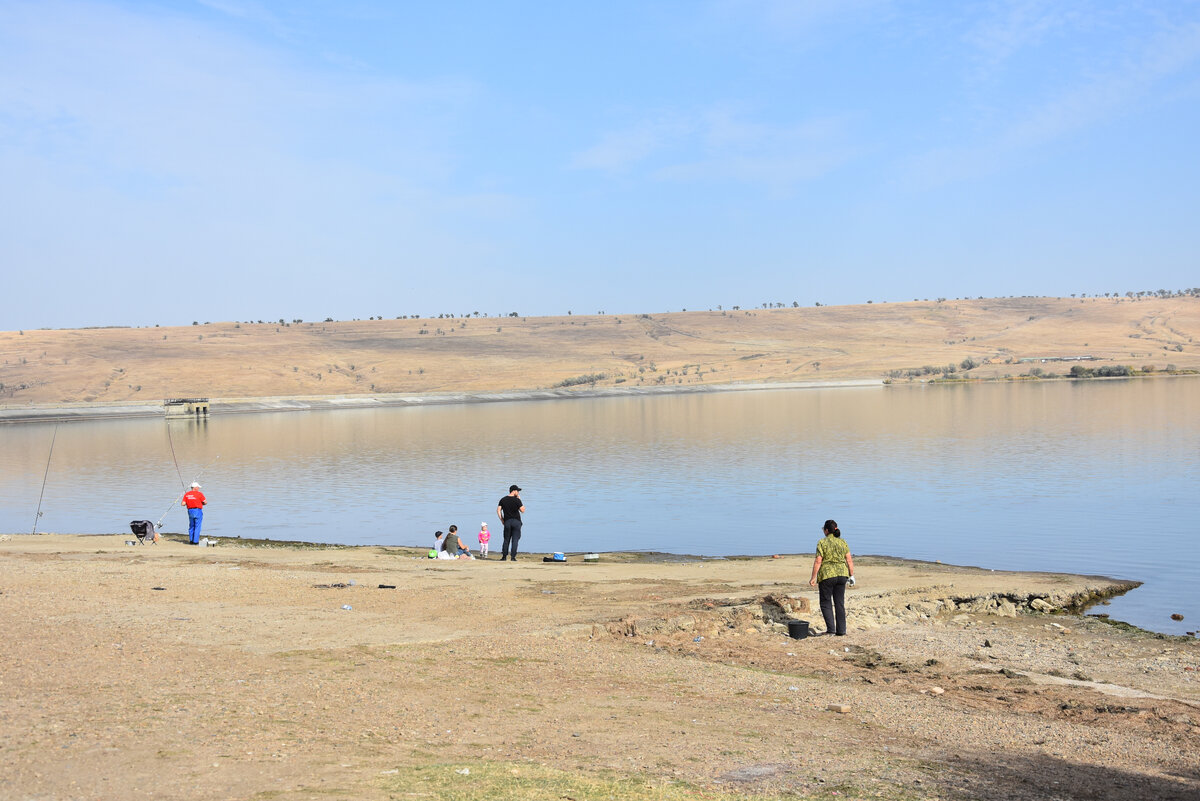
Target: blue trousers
column 195, row 518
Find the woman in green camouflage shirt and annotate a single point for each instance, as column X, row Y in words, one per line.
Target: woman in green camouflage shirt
column 832, row 570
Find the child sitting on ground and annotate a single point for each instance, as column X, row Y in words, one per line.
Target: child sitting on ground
column 485, row 537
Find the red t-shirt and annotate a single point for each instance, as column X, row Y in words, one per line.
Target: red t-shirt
column 193, row 499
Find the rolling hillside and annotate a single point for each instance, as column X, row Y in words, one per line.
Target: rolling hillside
column 250, row 360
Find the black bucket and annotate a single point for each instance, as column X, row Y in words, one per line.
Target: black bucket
column 797, row 629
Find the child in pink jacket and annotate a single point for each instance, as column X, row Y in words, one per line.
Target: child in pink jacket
column 485, row 537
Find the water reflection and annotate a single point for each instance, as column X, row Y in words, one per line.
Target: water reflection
column 1055, row 476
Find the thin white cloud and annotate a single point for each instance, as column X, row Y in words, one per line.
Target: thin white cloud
column 136, row 142
column 242, row 10
column 167, row 96
column 778, row 171
column 1093, row 100
column 253, row 16
column 792, row 17
column 622, row 149
column 1013, row 26
column 721, row 144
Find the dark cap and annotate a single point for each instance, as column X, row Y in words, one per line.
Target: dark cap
column 514, row 488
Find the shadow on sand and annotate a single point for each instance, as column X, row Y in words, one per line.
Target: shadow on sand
column 1049, row 777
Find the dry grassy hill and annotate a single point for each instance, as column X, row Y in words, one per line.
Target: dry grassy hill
column 244, row 360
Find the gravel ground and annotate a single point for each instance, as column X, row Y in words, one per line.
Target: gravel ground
column 244, row 677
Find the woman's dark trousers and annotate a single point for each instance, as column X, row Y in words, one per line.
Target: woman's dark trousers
column 833, row 596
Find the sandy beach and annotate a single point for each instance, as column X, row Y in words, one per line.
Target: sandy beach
column 238, row 672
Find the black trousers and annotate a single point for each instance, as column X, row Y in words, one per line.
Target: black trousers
column 512, row 535
column 833, row 603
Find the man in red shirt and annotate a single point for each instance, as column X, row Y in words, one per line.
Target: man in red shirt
column 195, row 501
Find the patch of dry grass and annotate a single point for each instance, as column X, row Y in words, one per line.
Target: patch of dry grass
column 251, row 360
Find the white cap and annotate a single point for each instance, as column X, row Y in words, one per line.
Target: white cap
column 195, row 485
column 484, row 524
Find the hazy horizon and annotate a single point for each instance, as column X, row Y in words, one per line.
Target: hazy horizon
column 1128, row 295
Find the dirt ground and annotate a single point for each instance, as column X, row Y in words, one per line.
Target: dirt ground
column 239, row 672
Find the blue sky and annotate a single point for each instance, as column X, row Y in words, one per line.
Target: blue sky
column 164, row 162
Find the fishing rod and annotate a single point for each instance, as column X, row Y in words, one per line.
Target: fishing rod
column 44, row 477
column 180, row 498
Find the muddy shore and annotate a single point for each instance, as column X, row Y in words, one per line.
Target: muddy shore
column 170, row 671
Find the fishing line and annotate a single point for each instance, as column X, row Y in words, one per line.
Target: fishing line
column 44, row 477
column 180, row 498
column 171, row 440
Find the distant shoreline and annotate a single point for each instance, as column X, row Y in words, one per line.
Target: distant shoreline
column 79, row 412
column 71, row 412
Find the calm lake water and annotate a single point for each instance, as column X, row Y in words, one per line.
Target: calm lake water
column 1099, row 477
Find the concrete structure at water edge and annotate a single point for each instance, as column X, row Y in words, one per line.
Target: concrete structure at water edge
column 1044, row 359
column 177, row 408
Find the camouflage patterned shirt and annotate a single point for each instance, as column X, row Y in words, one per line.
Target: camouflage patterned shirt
column 833, row 551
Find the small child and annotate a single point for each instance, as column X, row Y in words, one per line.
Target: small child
column 485, row 537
